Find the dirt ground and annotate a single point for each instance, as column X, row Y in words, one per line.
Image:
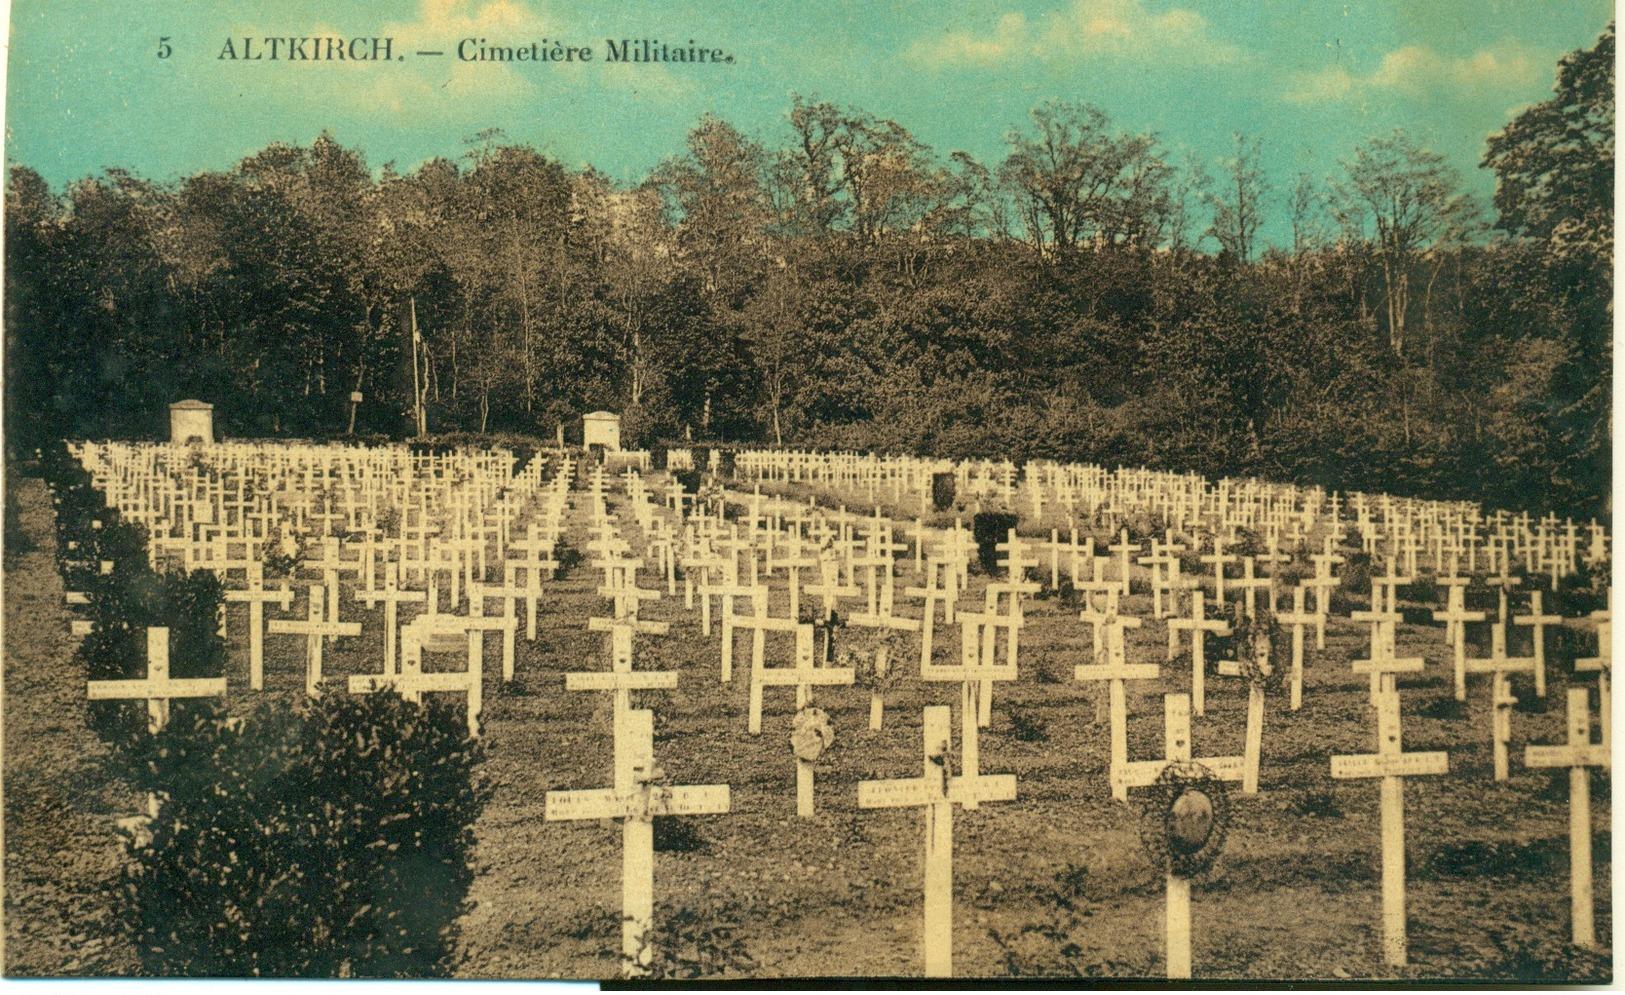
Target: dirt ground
column 1055, row 883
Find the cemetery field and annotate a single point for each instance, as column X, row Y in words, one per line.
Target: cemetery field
column 1054, row 883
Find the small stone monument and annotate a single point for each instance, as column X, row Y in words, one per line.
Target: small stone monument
column 191, row 421
column 601, row 428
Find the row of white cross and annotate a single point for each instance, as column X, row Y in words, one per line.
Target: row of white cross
column 709, row 552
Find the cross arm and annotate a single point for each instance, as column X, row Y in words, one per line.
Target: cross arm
column 1127, row 672
column 1389, row 764
column 197, row 687
column 613, row 680
column 790, row 676
column 405, row 683
column 1590, row 755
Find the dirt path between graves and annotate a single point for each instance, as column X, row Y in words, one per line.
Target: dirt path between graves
column 61, row 848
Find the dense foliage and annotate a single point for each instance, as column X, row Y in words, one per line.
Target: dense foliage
column 127, row 599
column 334, row 840
column 853, row 287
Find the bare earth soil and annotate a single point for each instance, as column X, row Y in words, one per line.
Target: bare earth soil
column 1054, row 883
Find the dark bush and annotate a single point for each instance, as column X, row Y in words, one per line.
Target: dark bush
column 990, row 528
column 690, row 479
column 123, row 605
column 328, row 841
column 944, row 488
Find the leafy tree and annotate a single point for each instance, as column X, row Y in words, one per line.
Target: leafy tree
column 1078, row 182
column 1554, row 164
column 1408, row 200
column 718, row 192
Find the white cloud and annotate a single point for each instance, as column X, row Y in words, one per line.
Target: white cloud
column 1417, row 70
column 1008, row 37
column 1085, row 29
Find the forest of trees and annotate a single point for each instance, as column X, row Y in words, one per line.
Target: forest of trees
column 1092, row 297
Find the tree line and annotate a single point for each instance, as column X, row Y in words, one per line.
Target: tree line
column 1093, row 296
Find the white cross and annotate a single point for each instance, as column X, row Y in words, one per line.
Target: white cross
column 1577, row 755
column 937, row 790
column 1393, row 765
column 636, row 799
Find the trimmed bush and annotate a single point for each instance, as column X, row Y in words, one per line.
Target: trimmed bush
column 944, row 488
column 328, row 841
column 990, row 528
column 690, row 479
column 123, row 605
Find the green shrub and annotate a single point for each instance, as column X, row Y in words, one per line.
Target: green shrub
column 990, row 528
column 328, row 841
column 123, row 605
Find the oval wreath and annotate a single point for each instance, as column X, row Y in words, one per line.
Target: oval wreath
column 1183, row 823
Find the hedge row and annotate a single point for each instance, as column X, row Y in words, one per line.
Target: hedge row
column 333, row 839
column 330, row 839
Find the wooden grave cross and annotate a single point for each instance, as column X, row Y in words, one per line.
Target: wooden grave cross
column 1383, row 664
column 945, row 595
column 1253, row 743
column 636, row 799
column 937, row 790
column 157, row 687
column 976, row 671
column 1602, row 665
column 885, row 620
column 533, row 564
column 804, row 676
column 1391, row 583
column 1015, row 561
column 1111, row 665
column 796, row 560
column 1144, row 773
column 1393, row 765
column 256, row 595
column 1578, row 754
column 506, row 623
column 315, row 629
column 1250, row 584
column 979, row 639
column 1199, row 625
column 627, row 595
column 830, row 590
column 392, row 595
column 1298, row 617
column 411, row 682
column 1218, row 558
column 1165, row 555
column 698, row 562
column 1499, row 664
column 758, row 593
column 1323, row 583
column 621, row 680
column 760, row 624
column 1456, row 616
column 1125, row 550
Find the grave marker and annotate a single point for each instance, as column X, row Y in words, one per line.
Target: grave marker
column 1393, row 765
column 937, row 790
column 636, row 799
column 1577, row 755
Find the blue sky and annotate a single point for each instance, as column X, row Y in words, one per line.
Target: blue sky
column 1309, row 78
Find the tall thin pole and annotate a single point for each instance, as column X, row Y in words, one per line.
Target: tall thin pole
column 417, row 389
